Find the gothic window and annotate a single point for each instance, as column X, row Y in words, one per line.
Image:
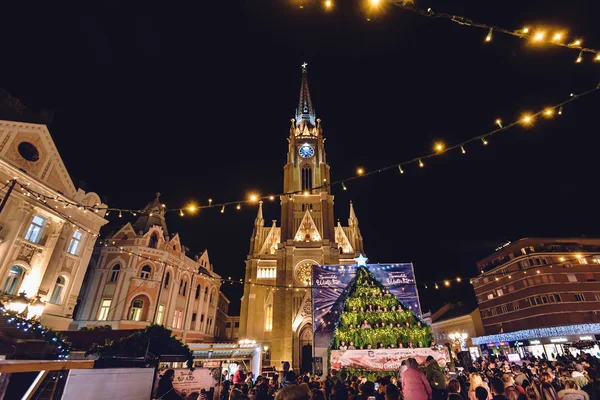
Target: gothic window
column 198, row 291
column 269, row 318
column 13, row 281
column 306, row 177
column 153, row 242
column 167, row 279
column 146, row 270
column 58, row 290
column 114, row 273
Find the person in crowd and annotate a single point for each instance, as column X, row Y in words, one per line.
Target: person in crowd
column 580, row 376
column 343, row 346
column 572, row 392
column 415, row 385
column 289, row 379
column 476, row 381
column 497, row 387
column 454, row 392
column 392, row 392
column 317, row 394
column 165, row 388
column 547, row 390
column 382, row 383
column 436, row 378
column 292, row 392
column 510, row 389
column 482, row 393
column 531, row 393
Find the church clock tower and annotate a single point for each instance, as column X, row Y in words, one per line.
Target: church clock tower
column 277, row 307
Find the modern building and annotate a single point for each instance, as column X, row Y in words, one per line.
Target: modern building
column 283, row 255
column 538, row 283
column 47, row 226
column 142, row 274
column 457, row 324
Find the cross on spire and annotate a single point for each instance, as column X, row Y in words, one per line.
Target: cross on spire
column 304, row 66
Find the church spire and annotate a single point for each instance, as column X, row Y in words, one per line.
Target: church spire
column 259, row 221
column 352, row 220
column 305, row 111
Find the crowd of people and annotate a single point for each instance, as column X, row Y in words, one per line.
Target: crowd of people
column 568, row 378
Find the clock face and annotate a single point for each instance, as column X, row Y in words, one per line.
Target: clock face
column 306, row 151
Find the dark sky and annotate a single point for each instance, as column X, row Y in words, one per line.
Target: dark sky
column 196, row 104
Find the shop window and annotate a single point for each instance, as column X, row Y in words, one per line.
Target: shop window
column 582, row 260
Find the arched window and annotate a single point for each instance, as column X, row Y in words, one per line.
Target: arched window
column 205, row 293
column 114, row 274
column 167, row 279
column 58, row 290
column 198, row 291
column 182, row 287
column 153, row 242
column 146, row 270
column 137, row 308
column 306, row 177
column 185, row 288
column 13, row 280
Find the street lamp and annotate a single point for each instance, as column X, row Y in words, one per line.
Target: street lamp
column 36, row 308
column 19, row 304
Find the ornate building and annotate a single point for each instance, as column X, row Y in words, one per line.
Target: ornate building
column 157, row 283
column 45, row 244
column 283, row 255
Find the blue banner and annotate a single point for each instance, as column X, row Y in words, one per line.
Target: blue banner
column 399, row 279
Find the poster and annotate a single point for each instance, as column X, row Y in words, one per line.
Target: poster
column 186, row 382
column 332, row 282
column 384, row 359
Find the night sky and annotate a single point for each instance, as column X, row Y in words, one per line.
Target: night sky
column 196, row 104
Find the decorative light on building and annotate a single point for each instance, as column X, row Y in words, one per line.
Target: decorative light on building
column 36, row 309
column 526, row 334
column 18, row 304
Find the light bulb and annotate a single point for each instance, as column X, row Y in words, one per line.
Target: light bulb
column 439, row 147
column 579, row 57
column 557, row 37
column 539, row 36
column 344, row 186
column 238, row 207
column 360, row 171
column 484, row 141
column 328, row 4
column 526, row 30
column 462, row 149
column 548, row 112
column 499, row 122
column 400, row 169
column 527, row 119
column 488, row 38
column 421, row 163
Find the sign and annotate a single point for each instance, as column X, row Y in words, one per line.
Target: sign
column 385, row 359
column 330, row 289
column 559, row 340
column 186, row 382
column 534, row 342
column 211, row 364
column 514, row 358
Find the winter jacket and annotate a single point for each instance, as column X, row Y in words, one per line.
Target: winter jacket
column 573, row 394
column 435, row 376
column 415, row 385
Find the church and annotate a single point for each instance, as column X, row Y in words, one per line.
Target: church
column 275, row 310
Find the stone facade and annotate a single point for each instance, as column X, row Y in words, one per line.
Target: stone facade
column 279, row 315
column 157, row 283
column 45, row 244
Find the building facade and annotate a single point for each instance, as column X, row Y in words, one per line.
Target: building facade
column 141, row 274
column 282, row 256
column 539, row 283
column 222, row 316
column 457, row 324
column 232, row 328
column 46, row 237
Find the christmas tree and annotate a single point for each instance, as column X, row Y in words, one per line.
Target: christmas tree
column 374, row 318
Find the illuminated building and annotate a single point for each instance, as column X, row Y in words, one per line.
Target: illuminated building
column 283, row 255
column 45, row 243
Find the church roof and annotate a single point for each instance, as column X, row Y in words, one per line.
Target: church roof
column 305, row 113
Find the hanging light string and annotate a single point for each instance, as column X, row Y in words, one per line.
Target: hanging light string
column 534, row 35
column 433, row 284
column 525, row 120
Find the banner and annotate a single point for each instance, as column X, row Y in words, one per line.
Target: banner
column 186, row 382
column 330, row 285
column 399, row 279
column 385, row 359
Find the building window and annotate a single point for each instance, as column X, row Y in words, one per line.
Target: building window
column 114, row 273
column 13, row 280
column 236, row 324
column 490, row 296
column 209, row 325
column 167, row 280
column 589, row 277
column 205, row 293
column 493, row 310
column 499, row 292
column 177, row 319
column 511, row 288
column 210, row 301
column 228, row 325
column 182, row 287
column 34, row 232
column 160, row 314
column 269, row 318
column 74, row 245
column 597, row 296
column 572, row 277
column 516, row 306
column 306, row 177
column 198, row 291
column 153, row 242
column 582, row 260
column 554, row 298
column 504, row 308
column 136, row 310
column 104, row 309
column 58, row 289
column 146, row 270
column 579, row 297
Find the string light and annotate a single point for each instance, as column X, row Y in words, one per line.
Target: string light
column 360, row 171
column 210, row 202
column 560, row 110
column 271, row 198
column 192, row 208
column 527, row 119
column 488, row 38
column 484, row 141
column 539, row 36
column 223, row 209
column 579, row 57
column 253, row 197
column 558, row 36
column 446, row 283
column 328, row 4
column 181, row 213
column 238, row 207
column 400, row 169
column 499, row 123
column 462, row 150
column 548, row 112
column 597, row 58
column 344, row 186
column 421, row 163
column 439, row 147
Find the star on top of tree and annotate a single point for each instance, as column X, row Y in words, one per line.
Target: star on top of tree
column 361, row 260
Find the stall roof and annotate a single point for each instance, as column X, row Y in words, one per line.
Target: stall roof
column 223, row 351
